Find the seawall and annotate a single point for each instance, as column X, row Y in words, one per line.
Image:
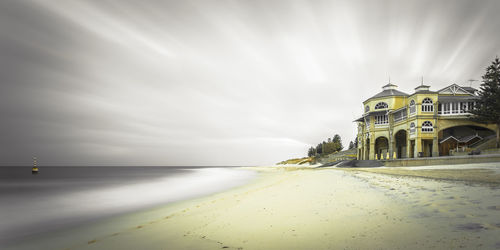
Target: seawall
column 443, row 160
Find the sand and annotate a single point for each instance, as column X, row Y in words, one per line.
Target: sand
column 311, row 209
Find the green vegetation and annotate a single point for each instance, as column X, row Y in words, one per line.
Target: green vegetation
column 297, row 161
column 332, row 145
column 487, row 108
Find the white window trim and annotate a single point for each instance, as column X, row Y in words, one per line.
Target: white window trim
column 414, row 106
column 428, row 129
column 413, row 129
column 386, row 106
column 427, row 107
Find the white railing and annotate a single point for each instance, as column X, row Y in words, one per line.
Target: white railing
column 400, row 118
column 455, row 108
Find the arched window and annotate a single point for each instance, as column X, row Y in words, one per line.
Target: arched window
column 413, row 109
column 427, row 126
column 367, row 108
column 381, row 105
column 427, row 105
column 412, row 128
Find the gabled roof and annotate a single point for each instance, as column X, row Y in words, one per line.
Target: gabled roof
column 469, row 138
column 464, row 139
column 455, row 89
column 449, row 138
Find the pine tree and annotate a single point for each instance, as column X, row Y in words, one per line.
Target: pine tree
column 319, row 149
column 487, row 108
column 311, row 152
column 351, row 145
column 338, row 142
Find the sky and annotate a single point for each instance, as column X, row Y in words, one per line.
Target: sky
column 218, row 82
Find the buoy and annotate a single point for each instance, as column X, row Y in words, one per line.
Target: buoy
column 34, row 169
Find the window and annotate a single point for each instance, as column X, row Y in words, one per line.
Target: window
column 470, row 106
column 427, row 105
column 413, row 109
column 454, row 107
column 427, row 127
column 381, row 105
column 412, row 128
column 463, row 107
column 446, row 108
column 367, row 108
column 381, row 119
column 400, row 115
column 367, row 122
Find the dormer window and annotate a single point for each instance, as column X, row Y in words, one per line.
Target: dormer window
column 413, row 108
column 381, row 105
column 427, row 105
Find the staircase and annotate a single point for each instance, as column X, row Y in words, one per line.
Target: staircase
column 486, row 143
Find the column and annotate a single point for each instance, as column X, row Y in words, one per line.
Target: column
column 372, row 151
column 418, row 146
column 408, row 146
column 391, row 147
column 435, row 147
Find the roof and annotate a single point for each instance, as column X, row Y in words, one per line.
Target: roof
column 361, row 119
column 456, row 89
column 469, row 137
column 449, row 138
column 453, row 98
column 378, row 112
column 470, row 89
column 464, row 139
column 389, row 85
column 424, row 92
column 422, row 86
column 388, row 92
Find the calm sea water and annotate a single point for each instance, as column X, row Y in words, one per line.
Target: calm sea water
column 60, row 197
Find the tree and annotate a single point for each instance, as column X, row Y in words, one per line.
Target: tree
column 319, row 149
column 487, row 108
column 311, row 152
column 338, row 142
column 351, row 145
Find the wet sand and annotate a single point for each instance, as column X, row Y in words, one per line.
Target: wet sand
column 314, row 209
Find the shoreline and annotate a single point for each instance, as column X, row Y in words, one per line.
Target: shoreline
column 308, row 209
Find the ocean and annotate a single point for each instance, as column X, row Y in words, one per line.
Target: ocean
column 64, row 197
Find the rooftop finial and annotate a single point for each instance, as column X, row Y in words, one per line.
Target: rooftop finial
column 422, row 83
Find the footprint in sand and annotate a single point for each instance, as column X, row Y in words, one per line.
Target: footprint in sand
column 497, row 207
column 471, row 227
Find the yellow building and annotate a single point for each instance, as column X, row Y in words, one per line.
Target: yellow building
column 423, row 124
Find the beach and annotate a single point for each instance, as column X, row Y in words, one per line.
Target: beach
column 379, row 208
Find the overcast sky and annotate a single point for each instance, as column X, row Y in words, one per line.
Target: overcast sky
column 217, row 82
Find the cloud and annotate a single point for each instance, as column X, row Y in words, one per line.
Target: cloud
column 217, row 82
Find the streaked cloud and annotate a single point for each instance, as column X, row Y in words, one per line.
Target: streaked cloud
column 217, row 82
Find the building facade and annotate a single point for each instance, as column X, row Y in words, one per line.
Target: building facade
column 423, row 124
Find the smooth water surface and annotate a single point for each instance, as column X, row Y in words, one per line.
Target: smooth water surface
column 60, row 197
